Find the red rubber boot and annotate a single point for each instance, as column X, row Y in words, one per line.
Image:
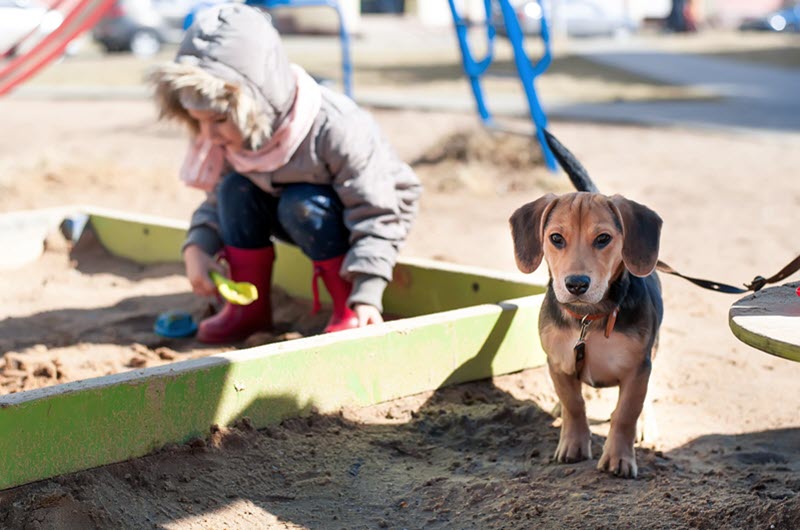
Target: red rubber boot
column 237, row 322
column 343, row 317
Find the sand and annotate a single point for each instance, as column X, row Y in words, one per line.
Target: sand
column 472, row 456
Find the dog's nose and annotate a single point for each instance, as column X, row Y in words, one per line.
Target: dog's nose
column 577, row 284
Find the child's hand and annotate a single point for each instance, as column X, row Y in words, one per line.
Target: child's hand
column 198, row 265
column 367, row 314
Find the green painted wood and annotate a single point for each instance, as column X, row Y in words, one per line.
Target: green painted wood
column 422, row 287
column 89, row 423
column 85, row 424
column 769, row 321
column 419, row 287
column 142, row 241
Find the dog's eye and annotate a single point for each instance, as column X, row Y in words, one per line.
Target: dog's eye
column 557, row 240
column 602, row 240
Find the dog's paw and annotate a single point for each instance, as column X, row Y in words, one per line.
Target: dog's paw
column 618, row 459
column 573, row 447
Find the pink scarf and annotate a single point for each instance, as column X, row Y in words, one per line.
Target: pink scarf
column 204, row 163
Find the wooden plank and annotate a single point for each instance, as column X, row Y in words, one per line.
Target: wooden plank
column 769, row 320
column 139, row 238
column 22, row 234
column 79, row 425
column 418, row 287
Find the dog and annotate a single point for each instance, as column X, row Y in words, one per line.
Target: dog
column 600, row 318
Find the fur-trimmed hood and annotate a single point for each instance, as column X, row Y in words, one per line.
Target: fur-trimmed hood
column 232, row 56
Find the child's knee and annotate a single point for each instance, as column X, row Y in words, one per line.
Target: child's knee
column 235, row 188
column 302, row 208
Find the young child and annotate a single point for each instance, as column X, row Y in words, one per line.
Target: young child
column 280, row 156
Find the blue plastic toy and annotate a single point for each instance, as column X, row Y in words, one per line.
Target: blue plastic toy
column 175, row 325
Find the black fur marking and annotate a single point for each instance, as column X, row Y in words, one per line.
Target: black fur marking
column 575, row 171
column 647, row 365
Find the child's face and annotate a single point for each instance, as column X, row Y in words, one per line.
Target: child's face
column 218, row 127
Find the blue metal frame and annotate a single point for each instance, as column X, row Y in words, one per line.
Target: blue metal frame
column 527, row 72
column 344, row 35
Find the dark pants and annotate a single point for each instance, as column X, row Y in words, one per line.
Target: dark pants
column 306, row 215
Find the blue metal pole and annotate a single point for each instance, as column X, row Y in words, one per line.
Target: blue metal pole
column 528, row 73
column 474, row 69
column 344, row 34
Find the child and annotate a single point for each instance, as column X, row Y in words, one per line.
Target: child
column 280, row 156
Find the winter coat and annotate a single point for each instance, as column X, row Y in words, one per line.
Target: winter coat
column 344, row 148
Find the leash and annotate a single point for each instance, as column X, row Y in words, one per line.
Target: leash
column 756, row 285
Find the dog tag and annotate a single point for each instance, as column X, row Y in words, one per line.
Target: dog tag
column 580, row 355
column 580, row 351
column 580, row 347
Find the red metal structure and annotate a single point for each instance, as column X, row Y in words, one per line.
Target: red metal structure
column 80, row 15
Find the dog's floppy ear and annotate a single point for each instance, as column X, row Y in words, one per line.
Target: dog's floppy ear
column 527, row 229
column 641, row 228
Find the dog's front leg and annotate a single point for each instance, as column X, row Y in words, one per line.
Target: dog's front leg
column 619, row 456
column 575, row 443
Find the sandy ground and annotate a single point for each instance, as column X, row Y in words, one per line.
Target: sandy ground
column 474, row 456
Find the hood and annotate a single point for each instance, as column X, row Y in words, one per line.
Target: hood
column 231, row 53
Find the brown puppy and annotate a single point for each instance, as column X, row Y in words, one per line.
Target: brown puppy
column 601, row 314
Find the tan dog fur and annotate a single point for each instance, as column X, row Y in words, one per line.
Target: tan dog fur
column 610, row 241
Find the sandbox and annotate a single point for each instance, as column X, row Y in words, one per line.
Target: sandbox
column 451, row 325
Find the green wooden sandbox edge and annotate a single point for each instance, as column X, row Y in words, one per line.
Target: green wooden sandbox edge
column 419, row 286
column 76, row 426
column 80, row 425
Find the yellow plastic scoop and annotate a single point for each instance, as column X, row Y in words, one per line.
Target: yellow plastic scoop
column 239, row 293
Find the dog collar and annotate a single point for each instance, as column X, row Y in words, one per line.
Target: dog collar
column 586, row 319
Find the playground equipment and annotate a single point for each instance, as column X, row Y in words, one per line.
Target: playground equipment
column 769, row 320
column 526, row 71
column 344, row 34
column 455, row 324
column 80, row 15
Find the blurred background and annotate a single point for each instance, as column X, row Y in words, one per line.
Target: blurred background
column 604, row 51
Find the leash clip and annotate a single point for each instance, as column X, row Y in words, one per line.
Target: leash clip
column 584, row 326
column 757, row 283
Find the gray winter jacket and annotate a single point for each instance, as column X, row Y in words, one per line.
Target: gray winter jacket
column 344, row 148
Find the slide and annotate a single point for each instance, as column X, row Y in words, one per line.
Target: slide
column 78, row 18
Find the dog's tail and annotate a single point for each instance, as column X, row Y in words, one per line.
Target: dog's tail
column 575, row 170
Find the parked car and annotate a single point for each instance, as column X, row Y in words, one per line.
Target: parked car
column 23, row 23
column 783, row 20
column 580, row 18
column 142, row 26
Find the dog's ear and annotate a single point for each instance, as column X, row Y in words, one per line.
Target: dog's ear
column 641, row 229
column 527, row 229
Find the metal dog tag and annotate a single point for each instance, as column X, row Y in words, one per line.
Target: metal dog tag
column 580, row 347
column 580, row 351
column 580, row 354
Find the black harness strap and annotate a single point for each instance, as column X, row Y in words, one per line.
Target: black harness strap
column 756, row 285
